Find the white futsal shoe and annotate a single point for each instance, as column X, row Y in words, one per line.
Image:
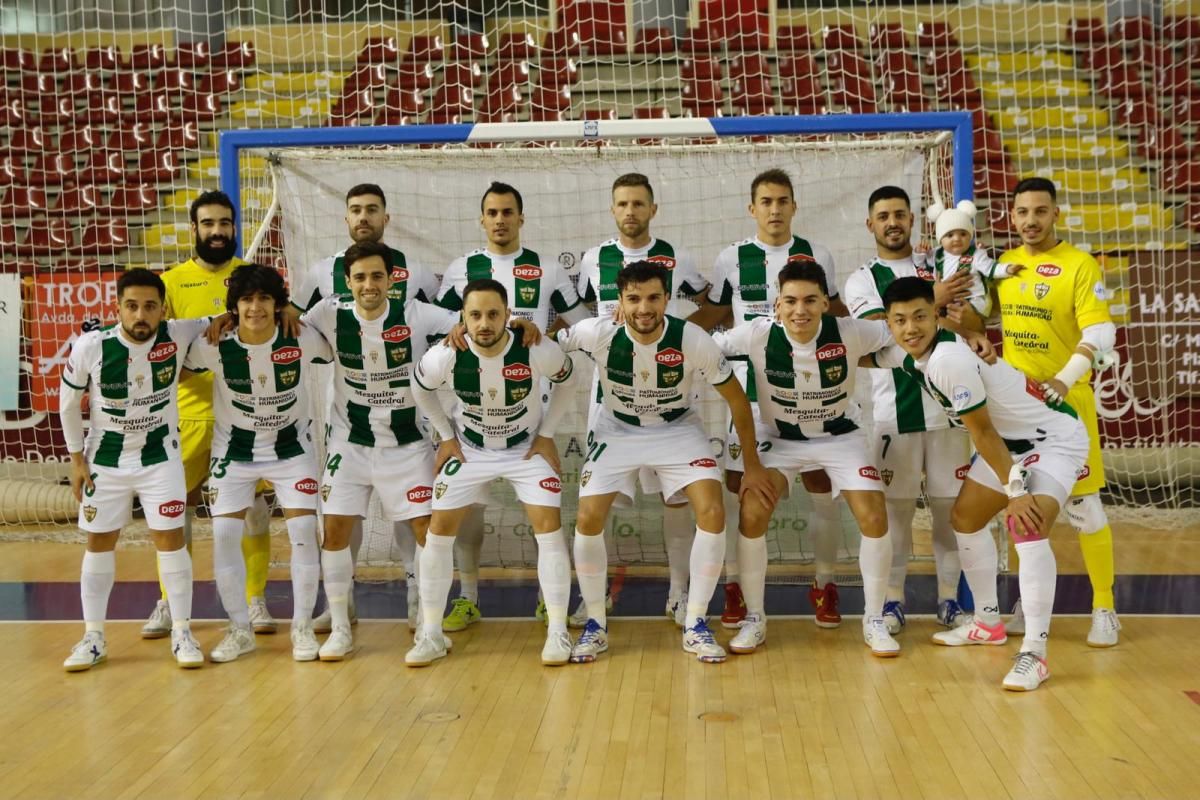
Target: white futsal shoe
column 339, row 644
column 1027, row 674
column 237, row 642
column 877, row 637
column 752, row 634
column 557, row 650
column 87, row 653
column 186, row 649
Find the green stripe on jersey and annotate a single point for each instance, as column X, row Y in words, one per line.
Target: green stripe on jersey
column 162, row 373
column 611, row 261
column 752, row 273
column 114, row 368
column 670, row 375
column 241, row 444
column 619, row 364
column 910, row 410
column 527, row 291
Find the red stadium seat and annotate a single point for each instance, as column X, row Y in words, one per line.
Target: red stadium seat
column 1181, row 177
column 78, row 200
column 736, row 25
column 174, row 79
column 60, row 60
column 132, row 138
column 1136, row 112
column 104, row 167
column 404, row 102
column 505, row 89
column 157, row 166
column 36, row 85
column 799, row 86
column 888, row 36
column 224, row 81
column 379, row 50
column 454, row 98
column 1165, row 143
column 1086, row 31
column 353, row 107
column 22, row 202
column 56, row 110
column 748, row 65
column 423, row 48
column 12, row 170
column 389, row 116
column 1119, row 82
column 1185, row 111
column 103, row 108
column 935, row 34
column 598, row 113
column 9, row 240
column 470, row 46
column 17, row 59
column 988, row 146
column 1133, row 29
column 13, row 113
column 1176, row 80
column 415, row 76
column 840, row 37
column 701, row 67
column 366, row 76
column 153, row 106
column 179, row 134
column 48, row 236
column 556, row 73
column 200, row 107
column 654, row 41
column 856, row 94
column 903, row 90
column 1105, row 56
column 148, row 57
column 548, row 103
column 842, row 64
column 702, row 97
column 129, row 84
column 105, row 59
column 801, row 65
column 602, row 39
column 133, row 199
column 28, row 140
column 793, row 38
column 993, row 181
column 958, row 90
column 234, row 56
column 1182, row 28
column 752, row 96
column 516, row 46
column 80, row 84
column 562, row 43
column 192, row 55
column 52, row 169
column 943, row 62
column 107, row 236
column 80, row 139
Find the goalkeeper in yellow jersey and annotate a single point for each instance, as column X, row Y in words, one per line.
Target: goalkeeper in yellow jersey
column 1056, row 329
column 197, row 288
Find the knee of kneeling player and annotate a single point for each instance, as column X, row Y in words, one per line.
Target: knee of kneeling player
column 1086, row 513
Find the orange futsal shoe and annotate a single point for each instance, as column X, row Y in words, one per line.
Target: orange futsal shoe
column 825, row 605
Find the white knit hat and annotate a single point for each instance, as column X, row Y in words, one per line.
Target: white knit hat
column 959, row 218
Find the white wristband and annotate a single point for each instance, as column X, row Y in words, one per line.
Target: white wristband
column 1016, row 482
column 1076, row 367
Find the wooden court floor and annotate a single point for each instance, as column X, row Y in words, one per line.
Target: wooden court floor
column 810, row 715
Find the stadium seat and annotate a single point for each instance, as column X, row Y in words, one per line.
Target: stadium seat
column 651, row 112
column 47, row 236
column 179, row 134
column 404, row 102
column 200, row 107
column 37, row 85
column 424, row 48
column 222, row 81
column 602, row 39
column 103, row 108
column 79, row 139
column 793, row 38
column 748, row 65
column 562, row 43
column 857, row 95
column 52, row 169
column 998, row 221
column 103, row 59
column 887, row 36
column 353, row 107
column 390, row 116
column 365, row 76
column 1119, row 82
column 22, row 202
column 505, row 90
column 78, row 200
column 59, row 60
column 174, row 79
column 798, row 65
column 157, row 166
column 454, row 97
column 1165, row 143
column 1101, row 57
column 958, row 90
column 131, row 138
column 653, row 41
column 56, row 110
column 702, row 67
column 557, row 73
column 470, row 46
column 1176, row 80
column 902, row 92
column 415, row 76
column 702, row 97
column 234, row 56
column 81, row 84
column 17, row 59
column 1136, row 112
column 129, row 84
column 12, row 170
column 379, row 50
column 153, row 106
column 104, row 167
column 994, row 181
column 1181, row 28
column 935, row 34
column 148, row 57
column 133, row 199
column 940, row 62
column 28, row 140
column 840, row 37
column 192, row 55
column 107, row 236
column 548, row 103
column 516, row 45
column 1086, row 31
column 842, row 64
column 1185, row 111
column 598, row 114
column 13, row 112
column 799, row 86
column 752, row 96
column 1133, row 29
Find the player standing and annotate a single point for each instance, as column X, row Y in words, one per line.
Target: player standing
column 262, row 433
column 130, row 371
column 1056, row 327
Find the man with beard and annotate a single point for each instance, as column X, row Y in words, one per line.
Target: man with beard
column 197, row 288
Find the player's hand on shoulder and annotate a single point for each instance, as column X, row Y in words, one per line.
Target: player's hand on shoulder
column 544, row 446
column 981, row 346
column 448, row 449
column 530, row 333
column 290, row 321
column 217, row 328
column 457, row 337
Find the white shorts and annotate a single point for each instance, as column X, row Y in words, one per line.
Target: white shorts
column 733, row 443
column 231, row 483
column 679, row 455
column 943, row 456
column 845, row 458
column 1053, row 468
column 109, row 507
column 464, row 483
column 402, row 477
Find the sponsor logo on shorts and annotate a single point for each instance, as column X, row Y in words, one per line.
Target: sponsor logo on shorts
column 1083, row 473
column 89, row 513
column 517, row 372
column 666, row 262
column 887, row 476
column 1033, row 459
column 961, row 472
column 397, row 333
column 285, row 355
column 527, row 273
column 307, row 486
column 551, row 484
column 669, row 357
column 831, row 351
column 584, row 477
column 869, row 473
column 162, row 352
column 399, row 274
column 1049, row 270
column 171, row 509
column 420, row 494
column 704, row 462
column 325, row 490
column 439, row 489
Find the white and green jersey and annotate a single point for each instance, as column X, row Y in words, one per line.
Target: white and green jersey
column 598, row 271
column 942, row 266
column 899, row 405
column 373, row 364
column 499, row 403
column 132, row 387
column 261, row 413
column 647, row 385
column 410, row 281
column 746, row 274
column 961, row 382
column 806, row 389
column 534, row 288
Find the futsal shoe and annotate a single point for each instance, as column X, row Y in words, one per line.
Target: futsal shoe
column 752, row 634
column 237, row 642
column 1027, row 674
column 735, row 606
column 304, row 643
column 462, row 614
column 676, row 610
column 158, row 626
column 877, row 637
column 260, row 616
column 557, row 650
column 339, row 644
column 700, row 641
column 590, row 644
column 1105, row 627
column 825, row 605
column 323, row 622
column 90, row 651
column 186, row 649
column 951, row 614
column 1016, row 623
column 893, row 616
column 975, row 632
column 579, row 617
column 425, row 650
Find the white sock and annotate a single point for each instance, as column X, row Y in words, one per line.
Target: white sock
column 900, row 519
column 708, row 551
column 436, row 575
column 554, row 577
column 338, row 568
column 305, row 567
column 591, row 569
column 825, row 528
column 945, row 548
column 752, row 556
column 731, row 544
column 229, row 569
column 95, row 585
column 175, row 569
column 977, row 552
column 406, row 543
column 874, row 559
column 677, row 532
column 1037, row 576
column 467, row 552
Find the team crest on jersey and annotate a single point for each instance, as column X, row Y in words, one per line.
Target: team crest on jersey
column 1040, row 290
column 584, row 477
column 671, row 377
column 887, row 476
column 1049, row 270
column 285, row 355
column 89, row 513
column 325, row 490
column 669, row 357
column 492, row 394
column 666, row 262
column 519, row 393
column 834, row 372
column 162, row 352
column 397, row 333
column 139, row 380
column 288, row 377
column 528, row 293
column 212, row 496
column 165, row 374
column 807, row 375
column 735, row 451
column 439, row 489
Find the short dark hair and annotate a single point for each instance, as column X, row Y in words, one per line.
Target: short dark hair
column 140, row 276
column 497, row 187
column 251, row 278
column 633, row 179
column 213, row 198
column 1036, row 185
column 485, row 285
column 809, row 271
column 902, row 290
column 641, row 272
column 888, row 193
column 366, row 188
column 774, row 175
column 360, row 250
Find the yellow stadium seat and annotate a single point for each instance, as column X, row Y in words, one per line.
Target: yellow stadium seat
column 169, row 236
column 999, row 92
column 1033, row 61
column 1016, row 120
column 1108, row 219
column 292, row 110
column 1075, row 148
column 1107, row 179
column 179, row 201
column 285, row 83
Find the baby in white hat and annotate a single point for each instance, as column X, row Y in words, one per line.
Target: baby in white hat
column 955, row 231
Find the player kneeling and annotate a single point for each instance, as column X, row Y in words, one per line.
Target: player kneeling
column 1029, row 454
column 261, row 433
column 503, row 434
column 131, row 372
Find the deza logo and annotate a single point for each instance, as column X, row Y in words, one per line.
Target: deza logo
column 307, row 486
column 420, row 494
column 666, row 262
column 285, row 355
column 1049, row 270
column 397, row 333
column 162, row 352
column 527, row 273
column 831, row 351
column 551, row 485
column 517, row 372
column 399, row 274
column 669, row 357
column 171, row 509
